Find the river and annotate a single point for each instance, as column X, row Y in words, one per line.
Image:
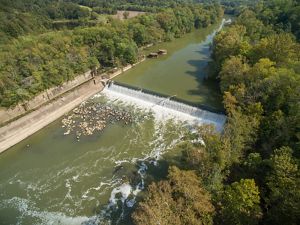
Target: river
column 60, row 176
column 182, row 72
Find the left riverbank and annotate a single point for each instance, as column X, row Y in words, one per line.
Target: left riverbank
column 20, row 128
column 27, row 125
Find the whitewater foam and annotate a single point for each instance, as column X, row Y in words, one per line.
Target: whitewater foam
column 26, row 210
column 164, row 108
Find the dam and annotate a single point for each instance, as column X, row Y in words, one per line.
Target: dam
column 165, row 106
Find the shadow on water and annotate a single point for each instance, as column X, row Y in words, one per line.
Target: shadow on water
column 181, row 72
column 208, row 87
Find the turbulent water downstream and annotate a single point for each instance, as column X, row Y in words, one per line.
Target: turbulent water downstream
column 57, row 176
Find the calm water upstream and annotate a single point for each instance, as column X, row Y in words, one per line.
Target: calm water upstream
column 57, row 176
column 182, row 72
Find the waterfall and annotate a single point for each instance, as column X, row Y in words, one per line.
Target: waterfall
column 165, row 107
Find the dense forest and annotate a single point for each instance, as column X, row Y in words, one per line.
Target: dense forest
column 21, row 17
column 248, row 174
column 37, row 58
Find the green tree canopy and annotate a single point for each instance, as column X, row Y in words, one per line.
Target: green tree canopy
column 180, row 200
column 240, row 203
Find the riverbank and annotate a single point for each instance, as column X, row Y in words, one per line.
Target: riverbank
column 27, row 125
column 51, row 108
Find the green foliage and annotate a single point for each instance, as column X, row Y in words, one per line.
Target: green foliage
column 255, row 28
column 139, row 33
column 208, row 159
column 233, row 72
column 33, row 63
column 279, row 48
column 230, row 43
column 258, row 69
column 179, row 200
column 283, row 182
column 282, row 14
column 240, row 203
column 263, row 72
column 22, row 17
column 15, row 24
column 241, row 132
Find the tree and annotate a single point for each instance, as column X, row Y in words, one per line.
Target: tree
column 209, row 158
column 231, row 42
column 255, row 28
column 139, row 34
column 259, row 76
column 280, row 96
column 167, row 21
column 179, row 200
column 279, row 48
column 240, row 203
column 283, row 200
column 233, row 72
column 241, row 132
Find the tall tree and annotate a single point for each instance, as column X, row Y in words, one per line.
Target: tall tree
column 240, row 203
column 179, row 200
column 283, row 182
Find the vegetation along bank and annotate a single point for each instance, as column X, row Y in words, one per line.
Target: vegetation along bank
column 249, row 174
column 36, row 62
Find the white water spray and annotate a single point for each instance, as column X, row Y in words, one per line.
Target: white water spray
column 165, row 108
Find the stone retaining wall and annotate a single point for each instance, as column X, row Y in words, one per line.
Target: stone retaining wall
column 30, row 123
column 49, row 106
column 10, row 114
column 44, row 97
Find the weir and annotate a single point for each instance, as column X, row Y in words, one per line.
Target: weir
column 165, row 105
